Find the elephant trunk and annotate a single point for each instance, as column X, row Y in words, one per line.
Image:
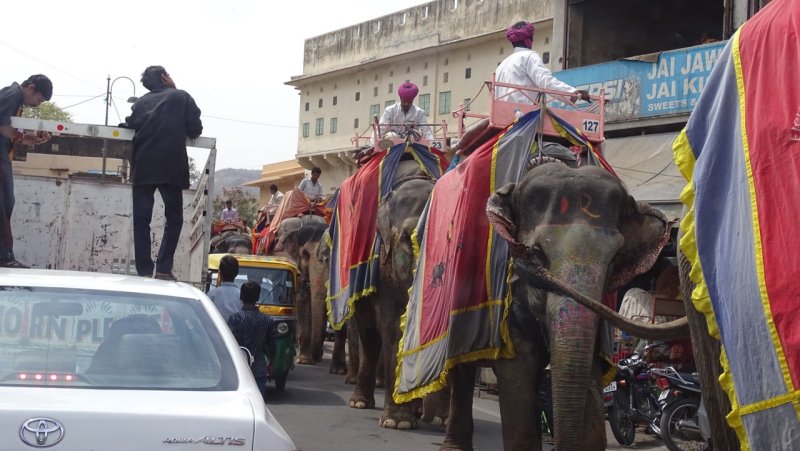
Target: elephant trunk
column 317, row 277
column 573, row 334
column 540, row 277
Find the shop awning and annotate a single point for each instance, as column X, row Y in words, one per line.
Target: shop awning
column 645, row 165
column 272, row 173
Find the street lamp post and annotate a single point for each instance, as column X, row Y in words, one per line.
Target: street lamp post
column 109, row 89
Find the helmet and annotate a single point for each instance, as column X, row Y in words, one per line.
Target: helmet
column 407, row 91
column 521, row 32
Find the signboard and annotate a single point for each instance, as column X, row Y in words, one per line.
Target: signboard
column 653, row 85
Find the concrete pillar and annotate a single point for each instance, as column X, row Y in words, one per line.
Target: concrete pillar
column 557, row 44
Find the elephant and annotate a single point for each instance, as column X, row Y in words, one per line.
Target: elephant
column 300, row 239
column 574, row 234
column 378, row 315
column 231, row 242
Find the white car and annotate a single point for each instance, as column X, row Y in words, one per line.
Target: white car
column 94, row 361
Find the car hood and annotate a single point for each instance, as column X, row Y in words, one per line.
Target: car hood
column 122, row 420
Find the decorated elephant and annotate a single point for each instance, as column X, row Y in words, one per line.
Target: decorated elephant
column 378, row 315
column 300, row 239
column 575, row 235
column 231, row 242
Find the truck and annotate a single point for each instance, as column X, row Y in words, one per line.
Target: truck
column 84, row 222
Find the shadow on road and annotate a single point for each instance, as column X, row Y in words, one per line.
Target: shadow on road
column 303, row 396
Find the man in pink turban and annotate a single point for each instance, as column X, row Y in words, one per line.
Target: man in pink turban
column 524, row 67
column 397, row 117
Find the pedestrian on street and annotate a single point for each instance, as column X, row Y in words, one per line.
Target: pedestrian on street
column 163, row 119
column 226, row 295
column 256, row 332
column 32, row 92
column 524, row 67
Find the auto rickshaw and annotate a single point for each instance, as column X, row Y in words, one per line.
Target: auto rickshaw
column 277, row 277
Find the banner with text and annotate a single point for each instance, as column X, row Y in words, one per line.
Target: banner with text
column 668, row 83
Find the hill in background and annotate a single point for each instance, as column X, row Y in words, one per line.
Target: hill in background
column 233, row 178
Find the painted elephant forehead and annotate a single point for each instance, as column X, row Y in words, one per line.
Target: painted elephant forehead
column 569, row 198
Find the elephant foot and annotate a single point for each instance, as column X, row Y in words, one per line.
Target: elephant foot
column 350, row 378
column 448, row 445
column 336, row 369
column 435, row 420
column 304, row 360
column 362, row 402
column 403, row 422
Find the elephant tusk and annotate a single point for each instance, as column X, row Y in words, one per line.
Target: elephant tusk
column 541, row 278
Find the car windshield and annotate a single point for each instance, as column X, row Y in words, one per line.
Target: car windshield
column 101, row 339
column 277, row 286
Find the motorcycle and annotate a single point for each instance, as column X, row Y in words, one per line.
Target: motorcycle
column 684, row 422
column 633, row 400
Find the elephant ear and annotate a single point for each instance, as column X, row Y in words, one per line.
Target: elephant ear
column 501, row 216
column 646, row 231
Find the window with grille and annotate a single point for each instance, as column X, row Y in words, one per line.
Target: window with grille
column 424, row 102
column 444, row 102
column 334, row 124
column 305, row 129
column 320, row 126
column 374, row 110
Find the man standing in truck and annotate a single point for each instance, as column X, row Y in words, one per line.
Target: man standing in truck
column 32, row 92
column 163, row 119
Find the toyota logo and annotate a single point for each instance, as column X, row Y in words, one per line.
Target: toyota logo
column 41, row 432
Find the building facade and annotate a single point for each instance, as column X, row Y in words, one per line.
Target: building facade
column 449, row 48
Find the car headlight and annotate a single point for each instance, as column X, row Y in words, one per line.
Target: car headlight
column 282, row 328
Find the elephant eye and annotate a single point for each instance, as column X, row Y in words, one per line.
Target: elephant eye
column 539, row 256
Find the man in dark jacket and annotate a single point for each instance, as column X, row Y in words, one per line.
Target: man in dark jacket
column 255, row 331
column 32, row 92
column 163, row 119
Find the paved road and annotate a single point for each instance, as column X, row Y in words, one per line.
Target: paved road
column 313, row 410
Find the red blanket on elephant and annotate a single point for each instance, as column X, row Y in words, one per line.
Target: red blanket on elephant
column 353, row 232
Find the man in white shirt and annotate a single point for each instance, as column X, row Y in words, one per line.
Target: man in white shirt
column 405, row 113
column 525, row 67
column 226, row 296
column 229, row 213
column 311, row 187
column 274, row 200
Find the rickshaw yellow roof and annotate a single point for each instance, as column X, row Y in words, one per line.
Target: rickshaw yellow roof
column 258, row 261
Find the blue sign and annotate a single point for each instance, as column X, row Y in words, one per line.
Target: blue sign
column 652, row 85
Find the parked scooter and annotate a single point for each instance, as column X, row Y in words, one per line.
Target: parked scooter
column 634, row 400
column 684, row 422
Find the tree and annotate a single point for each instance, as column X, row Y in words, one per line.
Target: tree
column 194, row 174
column 245, row 204
column 47, row 110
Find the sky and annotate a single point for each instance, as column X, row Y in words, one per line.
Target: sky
column 232, row 56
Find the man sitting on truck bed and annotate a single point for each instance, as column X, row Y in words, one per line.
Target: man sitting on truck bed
column 524, row 67
column 163, row 119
